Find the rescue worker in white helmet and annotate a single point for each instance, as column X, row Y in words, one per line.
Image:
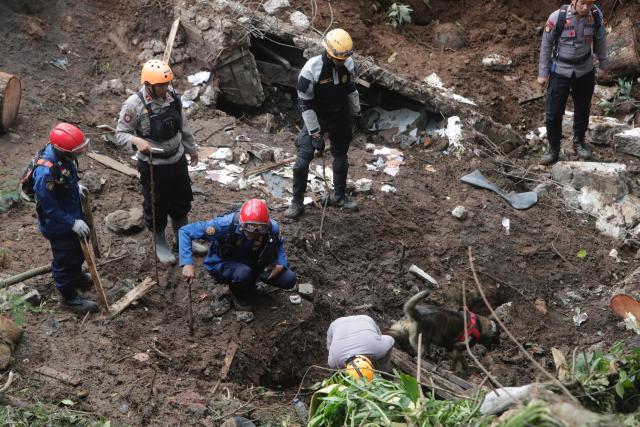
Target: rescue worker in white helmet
column 329, row 102
column 152, row 120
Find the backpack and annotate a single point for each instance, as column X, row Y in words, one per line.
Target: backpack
column 562, row 19
column 26, row 179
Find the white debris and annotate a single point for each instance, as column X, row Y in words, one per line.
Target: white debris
column 299, row 20
column 363, row 185
column 454, row 134
column 614, row 254
column 199, row 167
column 386, row 188
column 392, row 160
column 542, row 132
column 223, row 176
column 222, row 153
column 295, row 299
column 190, row 95
column 506, row 224
column 459, row 212
column 369, row 148
column 496, row 62
column 274, row 6
column 434, row 81
column 199, row 78
column 580, row 317
column 531, row 136
column 631, row 323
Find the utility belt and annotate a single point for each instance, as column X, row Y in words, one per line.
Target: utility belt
column 574, row 61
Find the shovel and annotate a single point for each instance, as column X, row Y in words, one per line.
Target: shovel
column 517, row 200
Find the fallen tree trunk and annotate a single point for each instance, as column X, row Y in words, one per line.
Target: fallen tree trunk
column 10, row 93
column 24, row 276
column 624, row 60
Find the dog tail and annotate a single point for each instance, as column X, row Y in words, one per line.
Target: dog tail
column 410, row 305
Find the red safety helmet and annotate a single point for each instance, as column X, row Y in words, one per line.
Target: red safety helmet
column 254, row 216
column 68, row 138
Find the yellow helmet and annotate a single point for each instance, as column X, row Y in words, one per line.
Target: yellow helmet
column 338, row 44
column 359, row 367
column 156, row 72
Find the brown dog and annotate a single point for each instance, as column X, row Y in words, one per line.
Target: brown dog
column 442, row 327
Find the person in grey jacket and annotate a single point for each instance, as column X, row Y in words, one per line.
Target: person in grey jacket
column 358, row 335
column 152, row 120
column 572, row 34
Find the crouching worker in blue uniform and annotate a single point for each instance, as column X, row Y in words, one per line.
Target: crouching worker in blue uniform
column 246, row 246
column 52, row 178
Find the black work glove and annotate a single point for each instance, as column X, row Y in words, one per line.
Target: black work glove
column 361, row 123
column 317, row 142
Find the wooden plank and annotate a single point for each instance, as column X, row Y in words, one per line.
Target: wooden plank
column 114, row 164
column 134, row 294
column 88, row 257
column 228, row 359
column 422, row 274
column 10, row 94
column 172, row 36
column 88, row 216
column 271, row 166
column 60, row 376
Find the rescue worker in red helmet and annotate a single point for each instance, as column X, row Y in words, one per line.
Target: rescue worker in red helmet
column 246, row 246
column 153, row 120
column 57, row 195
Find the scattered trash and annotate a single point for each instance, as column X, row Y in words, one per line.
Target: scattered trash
column 516, row 200
column 223, row 176
column 506, row 224
column 222, row 153
column 60, row 63
column 199, row 167
column 614, row 254
column 244, row 316
column 363, row 185
column 378, row 119
column 393, row 158
column 434, row 81
column 386, row 188
column 199, row 78
column 295, row 299
column 454, row 134
column 580, row 317
column 459, row 212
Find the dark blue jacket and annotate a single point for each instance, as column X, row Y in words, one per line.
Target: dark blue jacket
column 58, row 203
column 228, row 242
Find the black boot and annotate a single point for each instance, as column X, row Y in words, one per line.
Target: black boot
column 84, row 281
column 74, row 302
column 242, row 300
column 340, row 171
column 581, row 148
column 299, row 187
column 552, row 154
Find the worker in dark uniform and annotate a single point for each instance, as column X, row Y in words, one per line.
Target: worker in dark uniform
column 329, row 102
column 152, row 120
column 566, row 66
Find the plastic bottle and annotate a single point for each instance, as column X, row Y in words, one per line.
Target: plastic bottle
column 301, row 410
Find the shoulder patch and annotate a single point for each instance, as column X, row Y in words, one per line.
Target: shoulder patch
column 127, row 118
column 210, row 231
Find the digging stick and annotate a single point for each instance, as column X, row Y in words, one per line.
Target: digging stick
column 88, row 216
column 170, row 39
column 88, row 256
column 326, row 190
column 153, row 214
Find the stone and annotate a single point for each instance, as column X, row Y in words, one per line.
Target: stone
column 459, row 212
column 190, row 400
column 497, row 62
column 628, row 142
column 156, row 46
column 145, row 55
column 208, row 98
column 203, row 23
column 504, row 312
column 125, row 221
column 606, row 93
column 607, row 178
column 116, row 86
column 93, row 181
column 191, row 94
column 601, row 129
column 363, row 185
column 449, row 36
column 299, row 20
column 237, row 422
column 305, row 289
column 274, row 6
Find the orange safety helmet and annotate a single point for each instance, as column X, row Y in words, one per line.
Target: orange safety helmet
column 156, row 72
column 360, row 367
column 68, row 138
column 254, row 216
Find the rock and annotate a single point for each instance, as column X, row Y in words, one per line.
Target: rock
column 601, row 129
column 190, row 400
column 496, row 62
column 93, row 181
column 449, row 36
column 208, row 97
column 628, row 142
column 459, row 212
column 125, row 222
column 203, row 23
column 115, row 86
column 145, row 55
column 607, row 178
column 305, row 289
column 274, row 6
column 504, row 312
column 237, row 422
column 299, row 20
column 363, row 185
column 156, row 46
column 244, row 316
column 191, row 94
column 606, row 93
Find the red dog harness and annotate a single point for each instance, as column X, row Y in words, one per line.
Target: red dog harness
column 472, row 328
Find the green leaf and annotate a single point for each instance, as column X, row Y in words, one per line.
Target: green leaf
column 581, row 254
column 411, row 386
column 68, row 402
column 620, row 390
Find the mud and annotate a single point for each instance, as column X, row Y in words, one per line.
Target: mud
column 362, row 258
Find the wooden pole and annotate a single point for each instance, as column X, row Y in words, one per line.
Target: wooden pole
column 10, row 94
column 172, row 36
column 88, row 256
column 24, row 276
column 88, row 216
column 190, row 308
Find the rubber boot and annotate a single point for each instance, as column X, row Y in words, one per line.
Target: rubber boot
column 581, row 148
column 74, row 302
column 299, row 187
column 552, row 154
column 196, row 247
column 340, row 198
column 163, row 252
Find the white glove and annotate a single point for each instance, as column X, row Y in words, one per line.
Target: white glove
column 84, row 191
column 80, row 228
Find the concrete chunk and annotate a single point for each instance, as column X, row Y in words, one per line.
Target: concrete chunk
column 305, row 289
column 608, row 178
column 628, row 142
column 601, row 129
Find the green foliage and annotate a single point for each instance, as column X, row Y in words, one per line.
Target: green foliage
column 106, row 67
column 536, row 413
column 18, row 306
column 383, row 402
column 399, row 14
column 47, row 415
column 582, row 253
column 623, row 95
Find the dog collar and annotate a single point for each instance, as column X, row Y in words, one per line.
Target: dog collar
column 472, row 328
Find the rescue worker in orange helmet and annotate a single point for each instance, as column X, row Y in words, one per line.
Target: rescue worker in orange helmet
column 246, row 246
column 329, row 103
column 153, row 121
column 53, row 179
